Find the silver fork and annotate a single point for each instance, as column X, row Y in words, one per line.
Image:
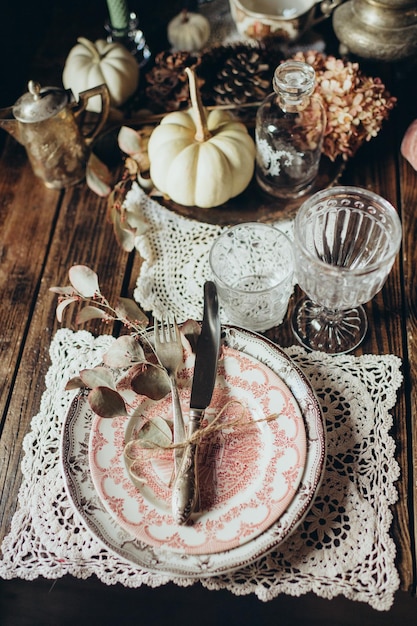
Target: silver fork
column 169, row 351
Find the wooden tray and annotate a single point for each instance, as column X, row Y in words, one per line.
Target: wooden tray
column 254, row 205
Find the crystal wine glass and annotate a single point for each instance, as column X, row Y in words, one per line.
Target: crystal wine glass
column 345, row 243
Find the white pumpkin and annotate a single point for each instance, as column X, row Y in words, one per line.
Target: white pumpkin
column 200, row 161
column 90, row 64
column 188, row 31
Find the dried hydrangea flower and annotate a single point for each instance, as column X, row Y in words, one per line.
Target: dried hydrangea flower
column 356, row 105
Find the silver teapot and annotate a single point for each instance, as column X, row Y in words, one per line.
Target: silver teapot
column 45, row 121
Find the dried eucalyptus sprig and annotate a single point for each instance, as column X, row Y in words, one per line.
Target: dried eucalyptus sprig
column 131, row 364
column 127, row 223
column 131, row 367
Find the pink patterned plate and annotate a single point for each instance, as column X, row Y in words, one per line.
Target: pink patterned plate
column 249, row 473
column 76, row 434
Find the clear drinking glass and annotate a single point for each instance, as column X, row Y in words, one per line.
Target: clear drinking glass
column 345, row 243
column 253, row 268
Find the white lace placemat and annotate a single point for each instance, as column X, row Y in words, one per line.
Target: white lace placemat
column 342, row 547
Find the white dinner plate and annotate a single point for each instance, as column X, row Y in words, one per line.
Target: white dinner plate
column 190, row 561
column 248, row 473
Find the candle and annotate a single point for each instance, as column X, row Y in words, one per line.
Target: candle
column 118, row 13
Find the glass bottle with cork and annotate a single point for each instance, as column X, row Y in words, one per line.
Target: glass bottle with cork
column 290, row 125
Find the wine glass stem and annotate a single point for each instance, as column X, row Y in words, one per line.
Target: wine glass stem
column 333, row 331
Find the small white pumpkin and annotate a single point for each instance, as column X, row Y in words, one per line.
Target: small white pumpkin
column 197, row 160
column 188, row 31
column 90, row 64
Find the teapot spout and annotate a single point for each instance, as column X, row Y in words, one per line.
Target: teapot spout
column 9, row 123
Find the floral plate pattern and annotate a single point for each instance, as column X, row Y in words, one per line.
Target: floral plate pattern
column 249, row 473
column 81, row 491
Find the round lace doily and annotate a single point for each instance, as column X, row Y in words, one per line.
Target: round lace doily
column 333, row 551
column 175, row 253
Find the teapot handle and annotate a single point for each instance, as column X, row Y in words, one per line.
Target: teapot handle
column 326, row 7
column 79, row 107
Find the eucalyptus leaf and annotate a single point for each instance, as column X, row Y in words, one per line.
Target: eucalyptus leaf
column 84, row 280
column 61, row 306
column 155, row 433
column 123, row 352
column 98, row 377
column 129, row 140
column 150, row 380
column 191, row 330
column 135, row 144
column 106, row 402
column 98, row 176
column 125, row 235
column 74, row 383
column 128, row 309
column 90, row 313
column 137, row 221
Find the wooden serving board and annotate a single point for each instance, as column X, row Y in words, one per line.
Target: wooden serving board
column 254, row 205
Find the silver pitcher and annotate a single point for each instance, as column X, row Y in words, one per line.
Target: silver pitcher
column 46, row 121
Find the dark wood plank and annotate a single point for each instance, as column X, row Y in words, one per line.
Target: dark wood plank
column 82, row 235
column 409, row 217
column 28, row 213
column 27, row 216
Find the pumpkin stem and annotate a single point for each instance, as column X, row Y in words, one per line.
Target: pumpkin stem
column 184, row 16
column 90, row 47
column 202, row 132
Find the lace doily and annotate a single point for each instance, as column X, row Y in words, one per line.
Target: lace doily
column 343, row 546
column 175, row 253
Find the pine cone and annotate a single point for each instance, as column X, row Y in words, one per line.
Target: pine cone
column 167, row 84
column 238, row 73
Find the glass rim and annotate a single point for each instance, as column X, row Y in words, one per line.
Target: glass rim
column 351, row 191
column 270, row 227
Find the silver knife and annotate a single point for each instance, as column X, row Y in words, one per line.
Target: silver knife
column 185, row 489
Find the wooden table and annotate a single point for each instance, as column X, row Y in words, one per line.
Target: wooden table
column 43, row 232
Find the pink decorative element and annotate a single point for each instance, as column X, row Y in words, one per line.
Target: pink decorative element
column 248, row 475
column 409, row 144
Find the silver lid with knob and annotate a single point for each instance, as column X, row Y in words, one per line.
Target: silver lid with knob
column 40, row 103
